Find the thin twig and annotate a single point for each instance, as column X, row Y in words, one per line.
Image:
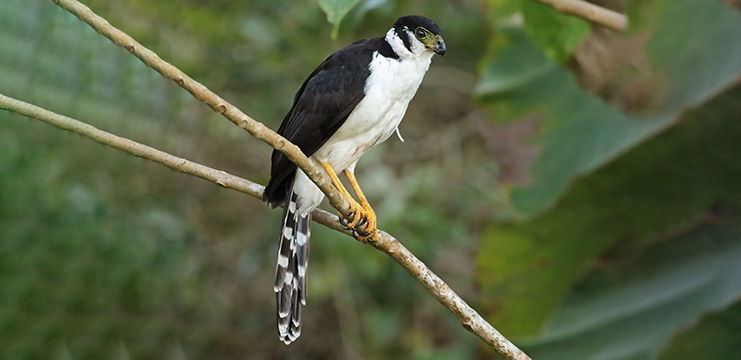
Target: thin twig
column 185, row 166
column 591, row 12
column 470, row 319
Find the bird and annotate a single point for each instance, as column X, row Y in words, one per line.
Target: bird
column 352, row 101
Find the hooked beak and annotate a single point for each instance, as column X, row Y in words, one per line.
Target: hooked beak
column 440, row 47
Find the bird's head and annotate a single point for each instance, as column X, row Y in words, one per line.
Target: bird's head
column 420, row 35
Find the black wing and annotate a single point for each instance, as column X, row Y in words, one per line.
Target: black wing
column 321, row 106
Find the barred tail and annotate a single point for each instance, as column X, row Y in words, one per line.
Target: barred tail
column 290, row 272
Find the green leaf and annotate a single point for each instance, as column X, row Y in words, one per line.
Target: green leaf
column 336, row 11
column 715, row 338
column 558, row 34
column 578, row 132
column 693, row 50
column 663, row 185
column 647, row 187
column 631, row 311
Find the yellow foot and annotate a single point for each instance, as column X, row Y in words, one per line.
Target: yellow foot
column 364, row 224
column 356, row 216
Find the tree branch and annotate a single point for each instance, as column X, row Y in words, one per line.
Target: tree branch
column 470, row 319
column 185, row 166
column 200, row 92
column 591, row 12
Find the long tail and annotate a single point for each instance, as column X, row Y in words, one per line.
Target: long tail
column 290, row 272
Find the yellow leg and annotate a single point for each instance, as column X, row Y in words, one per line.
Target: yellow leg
column 370, row 215
column 356, row 208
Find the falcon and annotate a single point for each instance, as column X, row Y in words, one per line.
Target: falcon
column 352, row 101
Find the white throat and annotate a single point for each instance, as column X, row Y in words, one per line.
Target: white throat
column 419, row 52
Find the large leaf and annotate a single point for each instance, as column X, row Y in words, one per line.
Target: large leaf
column 631, row 311
column 694, row 50
column 664, row 184
column 578, row 132
column 715, row 338
column 525, row 268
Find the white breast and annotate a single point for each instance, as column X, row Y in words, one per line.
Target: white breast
column 391, row 85
column 389, row 88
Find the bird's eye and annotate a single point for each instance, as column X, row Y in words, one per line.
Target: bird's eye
column 421, row 33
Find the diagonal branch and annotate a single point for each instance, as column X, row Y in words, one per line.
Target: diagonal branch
column 591, row 12
column 469, row 318
column 200, row 92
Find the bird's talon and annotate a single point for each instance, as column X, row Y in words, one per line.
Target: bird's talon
column 356, row 215
column 344, row 223
column 363, row 233
column 366, row 237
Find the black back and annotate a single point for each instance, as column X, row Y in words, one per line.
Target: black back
column 321, row 106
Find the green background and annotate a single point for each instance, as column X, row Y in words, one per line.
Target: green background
column 578, row 186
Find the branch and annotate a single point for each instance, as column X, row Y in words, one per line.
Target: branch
column 591, row 12
column 469, row 318
column 219, row 177
column 200, row 92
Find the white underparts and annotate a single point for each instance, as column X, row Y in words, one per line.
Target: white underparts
column 389, row 88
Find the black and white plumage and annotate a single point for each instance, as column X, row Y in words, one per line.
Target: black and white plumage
column 352, row 101
column 290, row 272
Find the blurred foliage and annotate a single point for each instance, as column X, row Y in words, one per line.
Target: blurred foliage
column 647, row 299
column 642, row 191
column 557, row 34
column 577, row 185
column 160, row 265
column 715, row 338
column 560, row 44
column 570, row 141
column 336, row 11
column 653, row 190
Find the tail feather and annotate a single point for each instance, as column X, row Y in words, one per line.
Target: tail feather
column 290, row 272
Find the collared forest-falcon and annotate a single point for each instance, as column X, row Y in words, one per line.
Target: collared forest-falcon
column 354, row 100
